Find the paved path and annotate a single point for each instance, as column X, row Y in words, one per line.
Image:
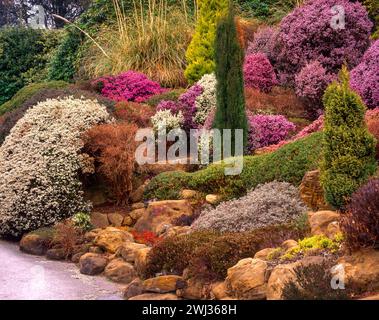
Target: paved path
column 26, row 277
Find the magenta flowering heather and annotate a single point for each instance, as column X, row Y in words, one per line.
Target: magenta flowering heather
column 128, row 86
column 307, row 34
column 259, row 73
column 270, row 129
column 364, row 79
column 265, row 41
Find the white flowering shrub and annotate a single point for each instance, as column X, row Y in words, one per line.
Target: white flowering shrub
column 166, row 119
column 40, row 162
column 269, row 204
column 206, row 101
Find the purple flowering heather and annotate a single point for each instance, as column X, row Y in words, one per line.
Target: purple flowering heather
column 265, row 41
column 306, row 34
column 128, row 86
column 364, row 79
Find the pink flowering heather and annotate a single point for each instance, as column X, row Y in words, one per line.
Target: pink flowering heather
column 268, row 129
column 306, row 34
column 312, row 81
column 259, row 73
column 265, row 41
column 364, row 79
column 128, row 86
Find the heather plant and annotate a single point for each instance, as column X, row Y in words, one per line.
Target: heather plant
column 348, row 149
column 200, row 53
column 128, row 86
column 360, row 224
column 364, row 78
column 82, row 221
column 175, row 108
column 306, row 35
column 40, row 163
column 265, row 41
column 230, row 110
column 268, row 204
column 133, row 112
column 166, row 119
column 268, row 130
column 259, row 73
column 311, row 83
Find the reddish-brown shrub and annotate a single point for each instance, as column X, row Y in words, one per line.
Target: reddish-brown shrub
column 133, row 112
column 113, row 147
column 279, row 101
column 372, row 120
column 245, row 31
column 361, row 222
column 66, row 237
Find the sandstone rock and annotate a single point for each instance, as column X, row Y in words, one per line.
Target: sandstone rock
column 176, row 231
column 128, row 249
column 156, row 296
column 247, row 279
column 264, row 254
column 333, row 229
column 138, row 205
column 55, row 254
column 312, row 193
column 362, row 269
column 95, row 249
column 111, row 238
column 92, row 263
column 35, row 244
column 120, row 271
column 141, row 259
column 320, row 220
column 284, row 273
column 289, row 244
column 213, row 199
column 189, row 194
column 162, row 213
column 91, row 235
column 128, row 221
column 137, row 213
column 193, row 289
column 99, row 220
column 137, row 195
column 134, row 288
column 115, row 219
column 219, row 290
column 161, row 284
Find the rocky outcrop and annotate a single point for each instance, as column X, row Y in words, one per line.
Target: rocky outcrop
column 248, row 279
column 311, row 191
column 110, row 239
column 160, row 215
column 92, row 263
column 324, row 223
column 362, row 269
column 120, row 271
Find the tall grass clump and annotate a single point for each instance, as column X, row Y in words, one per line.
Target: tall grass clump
column 152, row 39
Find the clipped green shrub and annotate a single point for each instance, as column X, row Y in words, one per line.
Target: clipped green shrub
column 201, row 53
column 230, row 110
column 209, row 254
column 288, row 164
column 27, row 92
column 24, row 55
column 348, row 148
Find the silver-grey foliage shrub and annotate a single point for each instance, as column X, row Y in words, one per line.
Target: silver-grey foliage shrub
column 268, row 204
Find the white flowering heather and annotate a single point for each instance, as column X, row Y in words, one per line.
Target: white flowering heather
column 165, row 118
column 269, row 204
column 40, row 162
column 207, row 100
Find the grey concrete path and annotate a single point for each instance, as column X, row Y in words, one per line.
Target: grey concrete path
column 27, row 277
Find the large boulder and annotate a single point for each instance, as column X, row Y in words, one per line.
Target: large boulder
column 128, row 249
column 162, row 284
column 320, row 222
column 115, row 219
column 247, row 280
column 362, row 269
column 111, row 239
column 284, row 273
column 160, row 215
column 92, row 263
column 99, row 220
column 311, row 191
column 36, row 243
column 120, row 271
